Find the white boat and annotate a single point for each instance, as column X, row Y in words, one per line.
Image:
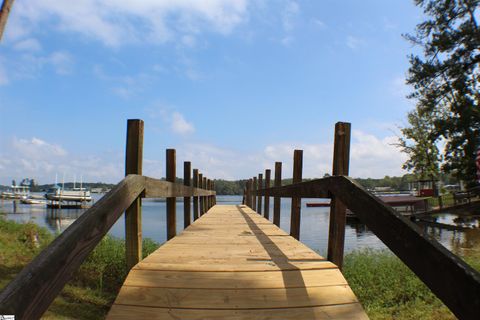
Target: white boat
column 16, row 192
column 75, row 194
column 32, row 201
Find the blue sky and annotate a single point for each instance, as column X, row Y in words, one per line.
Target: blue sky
column 233, row 85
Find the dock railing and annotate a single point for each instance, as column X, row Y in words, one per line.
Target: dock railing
column 451, row 279
column 32, row 291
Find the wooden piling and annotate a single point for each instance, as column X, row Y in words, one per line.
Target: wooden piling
column 277, row 200
column 266, row 208
column 296, row 202
column 204, row 187
column 254, row 196
column 248, row 193
column 341, row 156
column 259, row 198
column 187, row 168
column 195, row 199
column 202, row 199
column 133, row 215
column 171, row 201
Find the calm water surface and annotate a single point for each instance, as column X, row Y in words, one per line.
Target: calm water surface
column 313, row 232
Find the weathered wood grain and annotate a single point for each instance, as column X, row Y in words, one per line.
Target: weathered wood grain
column 133, row 215
column 215, row 266
column 277, row 199
column 259, row 198
column 156, row 188
column 171, row 173
column 296, row 201
column 338, row 211
column 187, row 168
column 266, row 210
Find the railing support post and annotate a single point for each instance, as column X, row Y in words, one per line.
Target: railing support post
column 202, row 199
column 214, row 196
column 209, row 198
column 195, row 199
column 277, row 200
column 187, row 168
column 266, row 208
column 259, row 199
column 296, row 202
column 248, row 194
column 204, row 187
column 171, row 201
column 254, row 197
column 341, row 156
column 133, row 215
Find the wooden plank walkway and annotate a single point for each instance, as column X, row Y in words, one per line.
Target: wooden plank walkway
column 234, row 264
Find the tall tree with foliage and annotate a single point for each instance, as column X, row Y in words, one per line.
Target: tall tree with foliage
column 446, row 81
column 417, row 143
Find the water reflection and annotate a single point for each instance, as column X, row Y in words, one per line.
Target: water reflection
column 59, row 219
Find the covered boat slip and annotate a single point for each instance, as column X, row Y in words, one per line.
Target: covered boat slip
column 232, row 263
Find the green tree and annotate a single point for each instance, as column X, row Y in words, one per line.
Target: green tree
column 418, row 144
column 446, row 81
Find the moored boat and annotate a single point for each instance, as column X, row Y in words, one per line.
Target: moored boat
column 61, row 194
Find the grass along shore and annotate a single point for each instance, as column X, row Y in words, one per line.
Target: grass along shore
column 385, row 286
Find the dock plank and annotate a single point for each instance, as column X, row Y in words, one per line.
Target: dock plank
column 233, row 264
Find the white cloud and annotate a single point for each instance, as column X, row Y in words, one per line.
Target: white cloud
column 370, row 156
column 355, row 42
column 115, row 23
column 319, row 23
column 29, row 44
column 289, row 15
column 124, row 86
column 36, row 149
column 41, row 160
column 180, row 125
column 62, row 62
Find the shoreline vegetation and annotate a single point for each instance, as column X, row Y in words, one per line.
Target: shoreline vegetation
column 236, row 187
column 386, row 288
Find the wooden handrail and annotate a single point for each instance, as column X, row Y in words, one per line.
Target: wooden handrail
column 36, row 286
column 449, row 277
column 32, row 291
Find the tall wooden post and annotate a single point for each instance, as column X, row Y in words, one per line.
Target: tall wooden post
column 187, row 168
column 204, row 187
column 248, row 195
column 277, row 200
column 215, row 195
column 4, row 12
column 266, row 208
column 195, row 199
column 254, row 197
column 341, row 156
column 133, row 215
column 296, row 202
column 209, row 198
column 202, row 199
column 259, row 198
column 171, row 201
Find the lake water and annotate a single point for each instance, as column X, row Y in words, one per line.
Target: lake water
column 313, row 231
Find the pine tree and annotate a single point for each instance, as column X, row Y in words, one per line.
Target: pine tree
column 446, row 80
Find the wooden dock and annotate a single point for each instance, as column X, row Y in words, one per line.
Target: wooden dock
column 234, row 264
column 231, row 263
